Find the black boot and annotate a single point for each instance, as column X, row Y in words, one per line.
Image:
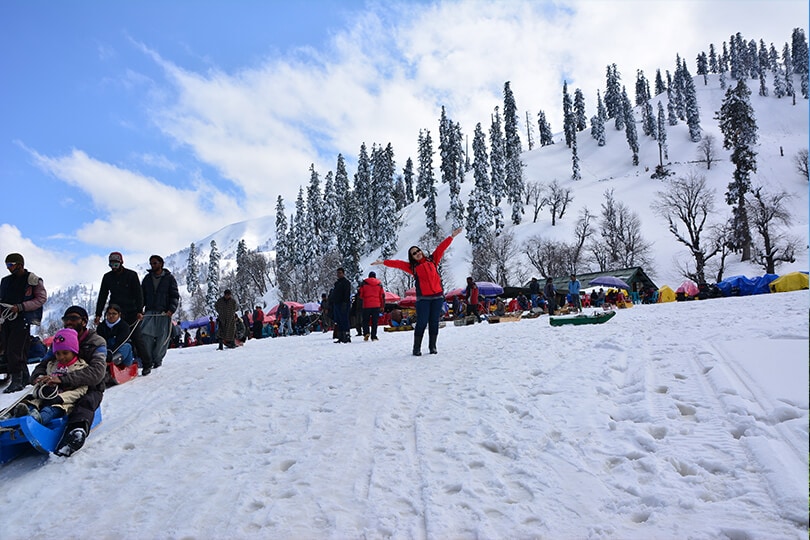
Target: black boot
column 432, row 343
column 417, row 344
column 15, row 385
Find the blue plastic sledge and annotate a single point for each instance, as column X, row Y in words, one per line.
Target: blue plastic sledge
column 18, row 435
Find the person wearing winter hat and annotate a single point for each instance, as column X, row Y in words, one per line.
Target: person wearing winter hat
column 22, row 295
column 373, row 300
column 92, row 350
column 123, row 287
column 51, row 397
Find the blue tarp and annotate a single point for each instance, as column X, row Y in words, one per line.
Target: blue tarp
column 763, row 285
column 196, row 323
column 745, row 286
column 737, row 285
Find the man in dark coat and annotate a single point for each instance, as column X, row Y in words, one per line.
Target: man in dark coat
column 550, row 292
column 341, row 301
column 123, row 287
column 161, row 298
column 23, row 294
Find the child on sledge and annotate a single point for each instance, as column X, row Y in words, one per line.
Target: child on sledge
column 116, row 332
column 48, row 400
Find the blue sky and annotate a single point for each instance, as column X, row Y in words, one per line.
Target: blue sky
column 141, row 126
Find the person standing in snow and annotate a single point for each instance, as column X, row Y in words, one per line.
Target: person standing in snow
column 550, row 292
column 23, row 294
column 573, row 293
column 258, row 322
column 429, row 291
column 341, row 301
column 471, row 295
column 161, row 298
column 372, row 297
column 226, row 311
column 284, row 316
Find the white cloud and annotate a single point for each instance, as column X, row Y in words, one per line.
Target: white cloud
column 138, row 211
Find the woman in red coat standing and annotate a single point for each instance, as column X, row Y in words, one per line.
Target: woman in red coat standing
column 429, row 292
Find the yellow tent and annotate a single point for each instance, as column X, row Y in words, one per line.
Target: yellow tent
column 790, row 282
column 666, row 294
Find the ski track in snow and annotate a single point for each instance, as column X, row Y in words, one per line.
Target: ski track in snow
column 516, row 430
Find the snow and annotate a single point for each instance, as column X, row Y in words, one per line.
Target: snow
column 679, row 420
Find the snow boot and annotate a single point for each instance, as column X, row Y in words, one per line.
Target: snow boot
column 432, row 343
column 71, row 442
column 417, row 344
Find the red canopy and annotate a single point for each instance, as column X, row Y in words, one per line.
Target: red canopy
column 391, row 298
column 294, row 306
column 408, row 302
column 689, row 287
column 460, row 291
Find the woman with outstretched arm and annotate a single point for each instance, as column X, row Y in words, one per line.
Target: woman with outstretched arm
column 429, row 292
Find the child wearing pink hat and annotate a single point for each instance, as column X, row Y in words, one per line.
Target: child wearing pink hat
column 49, row 400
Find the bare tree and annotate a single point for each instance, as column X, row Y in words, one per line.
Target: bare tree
column 800, row 159
column 583, row 231
column 558, row 200
column 690, row 203
column 768, row 215
column 720, row 236
column 552, row 258
column 620, row 229
column 707, row 151
column 535, row 196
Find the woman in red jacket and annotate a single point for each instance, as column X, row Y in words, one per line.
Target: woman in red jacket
column 429, row 292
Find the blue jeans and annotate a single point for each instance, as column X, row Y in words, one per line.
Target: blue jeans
column 126, row 354
column 428, row 313
column 341, row 314
column 46, row 414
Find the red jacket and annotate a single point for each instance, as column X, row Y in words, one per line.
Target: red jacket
column 371, row 293
column 428, row 282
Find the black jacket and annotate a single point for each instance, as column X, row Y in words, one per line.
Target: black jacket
column 342, row 291
column 115, row 336
column 165, row 298
column 124, row 289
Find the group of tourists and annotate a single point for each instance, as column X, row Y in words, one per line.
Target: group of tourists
column 71, row 378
